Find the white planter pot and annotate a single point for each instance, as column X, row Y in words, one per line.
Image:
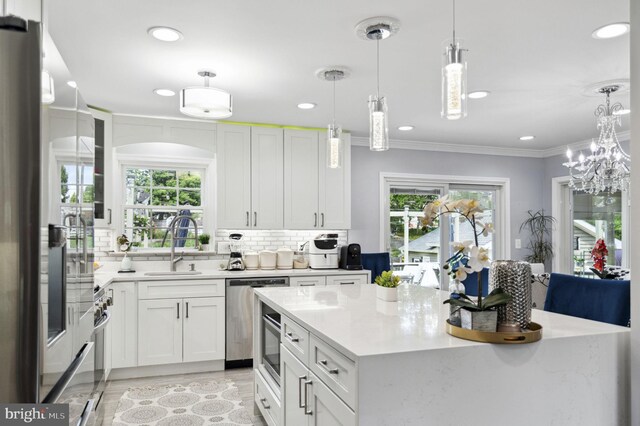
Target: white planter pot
column 480, row 321
column 388, row 294
column 205, row 247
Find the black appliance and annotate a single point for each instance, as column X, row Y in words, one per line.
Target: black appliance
column 350, row 257
column 271, row 330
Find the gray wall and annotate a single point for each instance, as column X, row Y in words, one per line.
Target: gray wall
column 526, row 177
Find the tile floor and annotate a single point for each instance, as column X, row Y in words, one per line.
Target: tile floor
column 243, row 378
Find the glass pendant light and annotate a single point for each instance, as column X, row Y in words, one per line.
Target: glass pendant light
column 378, row 117
column 334, row 132
column 454, row 78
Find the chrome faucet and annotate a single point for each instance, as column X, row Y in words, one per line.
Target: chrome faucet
column 172, row 229
column 85, row 255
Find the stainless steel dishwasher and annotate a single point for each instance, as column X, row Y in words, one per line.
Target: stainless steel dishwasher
column 239, row 328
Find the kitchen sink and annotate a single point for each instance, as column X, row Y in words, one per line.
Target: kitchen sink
column 171, row 273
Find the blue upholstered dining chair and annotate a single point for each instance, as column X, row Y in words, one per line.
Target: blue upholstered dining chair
column 376, row 263
column 595, row 299
column 471, row 283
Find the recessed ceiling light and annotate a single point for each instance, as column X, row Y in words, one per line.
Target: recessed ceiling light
column 405, row 128
column 479, row 94
column 164, row 92
column 527, row 138
column 306, row 105
column 72, row 83
column 622, row 112
column 611, row 30
column 165, row 34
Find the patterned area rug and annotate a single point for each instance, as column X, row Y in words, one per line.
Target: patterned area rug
column 210, row 403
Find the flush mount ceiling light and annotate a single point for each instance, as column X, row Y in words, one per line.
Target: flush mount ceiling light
column 165, row 34
column 608, row 167
column 527, row 138
column 454, row 78
column 478, row 94
column 611, row 30
column 205, row 101
column 164, row 92
column 48, row 90
column 72, row 83
column 377, row 29
column 405, row 128
column 334, row 132
column 306, row 105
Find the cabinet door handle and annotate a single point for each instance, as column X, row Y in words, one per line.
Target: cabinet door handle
column 306, row 398
column 255, row 218
column 187, row 309
column 315, row 220
column 322, row 223
column 302, row 402
column 109, row 210
column 247, row 218
column 291, row 338
column 178, row 310
column 323, row 363
column 347, row 283
column 263, row 401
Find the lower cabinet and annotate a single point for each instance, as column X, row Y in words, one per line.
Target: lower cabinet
column 123, row 329
column 306, row 400
column 180, row 330
column 347, row 279
column 307, row 281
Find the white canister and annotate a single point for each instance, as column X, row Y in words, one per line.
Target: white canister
column 285, row 258
column 251, row 260
column 267, row 259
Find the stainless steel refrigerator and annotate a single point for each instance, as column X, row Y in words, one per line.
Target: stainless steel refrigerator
column 46, row 281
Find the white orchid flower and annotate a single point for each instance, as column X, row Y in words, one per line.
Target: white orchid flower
column 487, row 228
column 461, row 273
column 432, row 209
column 470, row 207
column 464, row 246
column 478, row 258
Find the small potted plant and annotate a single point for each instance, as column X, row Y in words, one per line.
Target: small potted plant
column 482, row 316
column 124, row 245
column 387, row 286
column 204, row 242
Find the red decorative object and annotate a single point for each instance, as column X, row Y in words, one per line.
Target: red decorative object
column 599, row 255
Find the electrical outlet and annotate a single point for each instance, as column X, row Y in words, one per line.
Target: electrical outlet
column 224, row 247
column 518, row 243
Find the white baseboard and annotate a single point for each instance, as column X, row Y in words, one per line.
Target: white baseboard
column 166, row 369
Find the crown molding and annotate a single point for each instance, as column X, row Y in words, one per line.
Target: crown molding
column 585, row 144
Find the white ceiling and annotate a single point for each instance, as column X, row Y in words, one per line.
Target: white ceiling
column 536, row 58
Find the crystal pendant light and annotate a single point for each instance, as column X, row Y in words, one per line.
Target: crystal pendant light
column 454, row 78
column 377, row 29
column 205, row 101
column 334, row 132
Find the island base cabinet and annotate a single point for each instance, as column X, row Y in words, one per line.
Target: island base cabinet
column 307, row 400
column 204, row 329
column 160, row 331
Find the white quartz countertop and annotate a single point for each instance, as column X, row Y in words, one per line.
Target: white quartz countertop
column 103, row 279
column 353, row 320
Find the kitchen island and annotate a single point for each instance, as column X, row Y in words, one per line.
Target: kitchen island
column 349, row 358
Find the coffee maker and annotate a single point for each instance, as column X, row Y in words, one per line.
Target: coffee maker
column 235, row 257
column 350, row 257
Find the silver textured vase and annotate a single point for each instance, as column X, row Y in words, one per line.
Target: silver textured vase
column 514, row 277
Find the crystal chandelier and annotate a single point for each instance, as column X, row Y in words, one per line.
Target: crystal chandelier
column 607, row 168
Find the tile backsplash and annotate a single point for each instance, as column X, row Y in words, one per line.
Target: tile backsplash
column 252, row 240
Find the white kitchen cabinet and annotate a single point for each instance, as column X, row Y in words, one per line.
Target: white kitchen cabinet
column 160, row 331
column 123, row 326
column 204, row 328
column 233, row 159
column 306, row 400
column 347, row 279
column 315, row 197
column 267, row 168
column 103, row 169
column 307, row 281
column 108, row 359
column 301, row 179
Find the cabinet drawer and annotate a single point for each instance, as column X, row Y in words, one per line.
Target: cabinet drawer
column 336, row 370
column 180, row 288
column 306, row 281
column 346, row 279
column 296, row 339
column 266, row 401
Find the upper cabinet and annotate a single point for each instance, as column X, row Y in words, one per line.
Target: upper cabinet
column 250, row 169
column 102, row 179
column 315, row 196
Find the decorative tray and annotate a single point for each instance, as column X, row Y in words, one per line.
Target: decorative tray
column 533, row 334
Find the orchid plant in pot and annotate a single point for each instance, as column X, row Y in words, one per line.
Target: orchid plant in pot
column 468, row 258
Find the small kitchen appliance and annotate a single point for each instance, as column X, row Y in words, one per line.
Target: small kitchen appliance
column 235, row 257
column 350, row 257
column 323, row 252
